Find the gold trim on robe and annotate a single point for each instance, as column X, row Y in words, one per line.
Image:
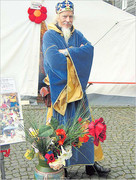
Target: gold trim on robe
column 71, row 92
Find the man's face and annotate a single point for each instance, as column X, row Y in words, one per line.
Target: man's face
column 65, row 19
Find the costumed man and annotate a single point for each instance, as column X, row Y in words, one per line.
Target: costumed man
column 68, row 57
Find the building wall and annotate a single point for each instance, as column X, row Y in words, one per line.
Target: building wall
column 131, row 5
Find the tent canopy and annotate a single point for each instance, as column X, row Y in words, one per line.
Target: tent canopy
column 110, row 30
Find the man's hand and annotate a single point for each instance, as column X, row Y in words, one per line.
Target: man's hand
column 81, row 45
column 64, row 51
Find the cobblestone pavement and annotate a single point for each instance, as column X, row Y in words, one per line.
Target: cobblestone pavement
column 119, row 147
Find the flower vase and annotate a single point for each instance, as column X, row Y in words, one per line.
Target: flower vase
column 44, row 172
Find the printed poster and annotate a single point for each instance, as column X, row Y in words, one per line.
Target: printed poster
column 11, row 119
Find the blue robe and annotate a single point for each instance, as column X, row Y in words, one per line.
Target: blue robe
column 55, row 65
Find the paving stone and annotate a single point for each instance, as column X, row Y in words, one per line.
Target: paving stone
column 9, row 177
column 113, row 165
column 120, row 164
column 121, row 172
column 115, row 175
column 22, row 169
column 23, row 173
column 128, row 176
column 125, row 168
column 7, row 164
column 16, row 174
column 31, row 177
column 22, row 165
column 15, row 163
column 25, row 178
column 21, row 161
column 15, row 171
column 133, row 176
column 127, row 171
column 118, row 169
column 8, row 172
column 30, row 174
column 121, row 178
column 28, row 169
column 9, row 168
column 133, row 171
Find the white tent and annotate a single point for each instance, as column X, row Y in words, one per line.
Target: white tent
column 109, row 29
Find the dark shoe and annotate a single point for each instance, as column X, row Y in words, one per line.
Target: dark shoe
column 96, row 168
column 65, row 172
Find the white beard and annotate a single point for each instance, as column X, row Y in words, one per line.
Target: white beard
column 66, row 33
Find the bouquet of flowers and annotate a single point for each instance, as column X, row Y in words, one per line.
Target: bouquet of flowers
column 54, row 142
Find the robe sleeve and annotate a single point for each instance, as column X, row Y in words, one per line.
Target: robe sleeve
column 82, row 58
column 53, row 59
column 55, row 65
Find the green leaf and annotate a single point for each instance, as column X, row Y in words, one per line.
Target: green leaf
column 45, row 131
column 54, row 123
column 61, row 127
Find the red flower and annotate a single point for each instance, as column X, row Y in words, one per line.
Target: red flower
column 73, row 144
column 84, row 139
column 50, row 157
column 37, row 15
column 98, row 130
column 62, row 136
column 80, row 119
